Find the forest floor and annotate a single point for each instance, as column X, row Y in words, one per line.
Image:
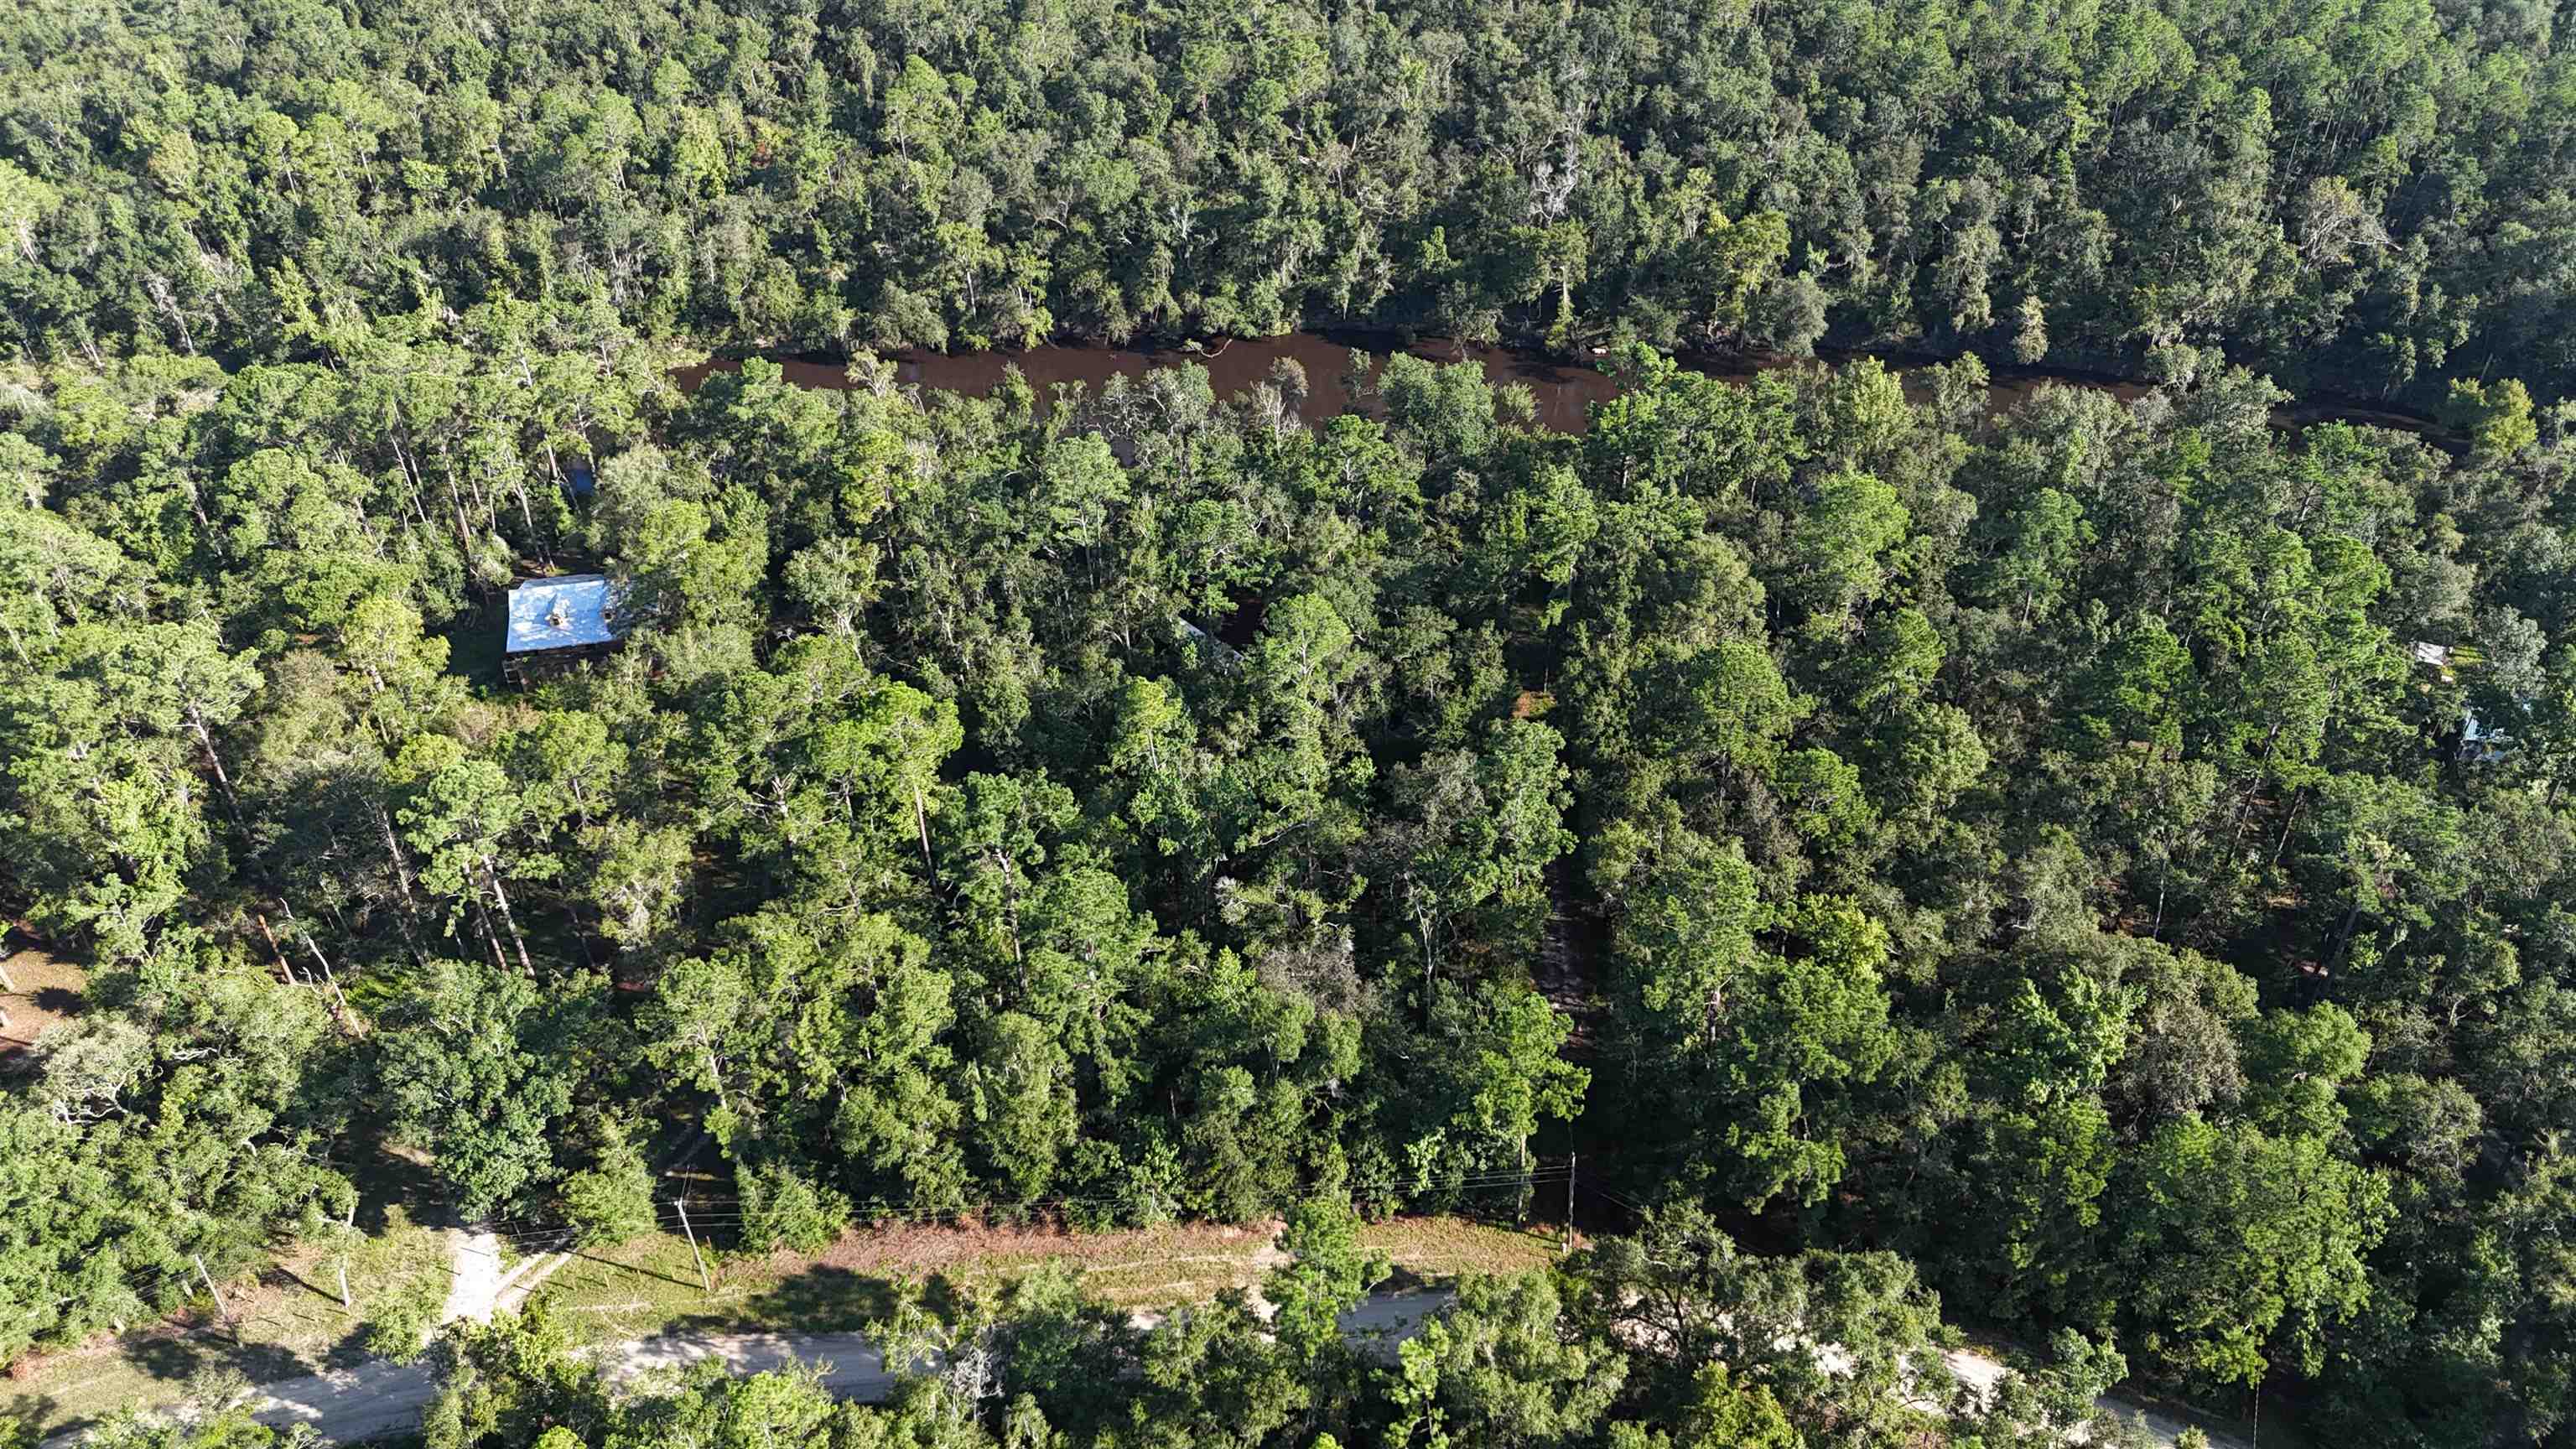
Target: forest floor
column 44, row 992
column 292, row 1329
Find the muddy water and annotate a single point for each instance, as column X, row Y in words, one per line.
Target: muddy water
column 1562, row 392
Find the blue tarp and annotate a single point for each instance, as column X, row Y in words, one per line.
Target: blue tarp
column 559, row 613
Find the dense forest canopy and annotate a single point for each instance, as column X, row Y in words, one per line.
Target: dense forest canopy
column 2055, row 869
column 2025, row 844
column 2363, row 196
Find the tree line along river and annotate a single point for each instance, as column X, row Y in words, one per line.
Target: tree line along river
column 1563, row 392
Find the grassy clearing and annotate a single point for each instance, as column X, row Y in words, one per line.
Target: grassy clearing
column 286, row 1324
column 291, row 1322
column 1430, row 1250
column 651, row 1286
column 298, row 1307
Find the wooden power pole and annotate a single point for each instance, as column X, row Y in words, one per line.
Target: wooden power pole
column 348, row 1231
column 1571, row 1159
column 705, row 1284
column 215, row 1293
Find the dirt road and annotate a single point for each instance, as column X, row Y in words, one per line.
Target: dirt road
column 377, row 1399
column 382, row 1398
column 1982, row 1373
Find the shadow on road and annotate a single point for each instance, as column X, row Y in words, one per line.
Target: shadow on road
column 352, row 1349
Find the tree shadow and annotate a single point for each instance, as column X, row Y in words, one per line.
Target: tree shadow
column 385, row 1180
column 1401, row 1279
column 36, row 1411
column 821, row 1299
column 279, row 1274
column 637, row 1268
column 350, row 1351
column 174, row 1358
column 474, row 640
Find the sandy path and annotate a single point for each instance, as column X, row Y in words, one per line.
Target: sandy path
column 476, row 1287
column 1982, row 1373
column 520, row 1282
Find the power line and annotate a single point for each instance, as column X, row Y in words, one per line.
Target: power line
column 1630, row 1204
column 556, row 1231
column 1540, row 1173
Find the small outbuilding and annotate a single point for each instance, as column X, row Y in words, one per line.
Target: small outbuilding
column 2481, row 743
column 558, row 620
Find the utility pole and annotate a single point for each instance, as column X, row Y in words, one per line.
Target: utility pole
column 348, row 1231
column 215, row 1293
column 705, row 1284
column 1571, row 1159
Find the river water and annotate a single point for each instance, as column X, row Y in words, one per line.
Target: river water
column 1563, row 392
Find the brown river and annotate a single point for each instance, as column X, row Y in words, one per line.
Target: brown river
column 1563, row 392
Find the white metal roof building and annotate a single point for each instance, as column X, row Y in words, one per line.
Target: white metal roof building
column 562, row 613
